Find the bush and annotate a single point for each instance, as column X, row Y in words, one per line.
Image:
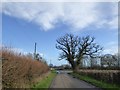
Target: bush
column 20, row 71
column 109, row 76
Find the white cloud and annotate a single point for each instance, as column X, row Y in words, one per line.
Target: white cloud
column 108, row 15
column 60, row 0
column 43, row 14
column 113, row 23
column 80, row 15
column 41, row 54
column 77, row 15
column 111, row 48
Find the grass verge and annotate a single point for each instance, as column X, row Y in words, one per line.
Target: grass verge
column 100, row 84
column 45, row 82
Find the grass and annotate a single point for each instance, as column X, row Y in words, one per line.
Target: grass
column 100, row 84
column 45, row 82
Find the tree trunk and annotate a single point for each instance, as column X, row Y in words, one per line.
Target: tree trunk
column 73, row 66
column 76, row 68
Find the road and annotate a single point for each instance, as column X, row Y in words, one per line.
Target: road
column 63, row 80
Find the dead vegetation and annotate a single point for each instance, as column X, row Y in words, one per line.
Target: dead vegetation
column 20, row 71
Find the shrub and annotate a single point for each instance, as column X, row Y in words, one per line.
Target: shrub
column 109, row 76
column 20, row 71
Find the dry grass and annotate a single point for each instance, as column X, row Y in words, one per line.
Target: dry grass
column 20, row 71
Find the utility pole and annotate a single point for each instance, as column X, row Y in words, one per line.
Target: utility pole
column 35, row 51
column 51, row 65
column 50, row 61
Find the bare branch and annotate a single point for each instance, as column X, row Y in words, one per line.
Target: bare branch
column 74, row 48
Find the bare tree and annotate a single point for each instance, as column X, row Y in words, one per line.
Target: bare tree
column 87, row 47
column 75, row 48
column 68, row 44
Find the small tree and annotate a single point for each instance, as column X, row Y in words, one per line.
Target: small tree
column 74, row 48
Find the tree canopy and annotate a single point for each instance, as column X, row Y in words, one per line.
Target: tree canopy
column 74, row 48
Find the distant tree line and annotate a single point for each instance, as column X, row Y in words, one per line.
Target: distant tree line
column 106, row 61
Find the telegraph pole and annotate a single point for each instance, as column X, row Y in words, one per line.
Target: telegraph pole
column 51, row 65
column 35, row 51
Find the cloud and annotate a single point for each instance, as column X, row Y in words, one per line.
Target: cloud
column 41, row 54
column 108, row 15
column 114, row 23
column 60, row 1
column 111, row 48
column 80, row 15
column 76, row 15
column 43, row 14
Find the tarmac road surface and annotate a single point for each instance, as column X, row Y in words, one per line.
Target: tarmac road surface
column 63, row 80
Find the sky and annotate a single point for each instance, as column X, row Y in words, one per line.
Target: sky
column 24, row 23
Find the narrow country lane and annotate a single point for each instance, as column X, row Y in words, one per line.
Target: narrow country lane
column 63, row 80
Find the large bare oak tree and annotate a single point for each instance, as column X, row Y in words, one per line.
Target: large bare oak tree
column 74, row 48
